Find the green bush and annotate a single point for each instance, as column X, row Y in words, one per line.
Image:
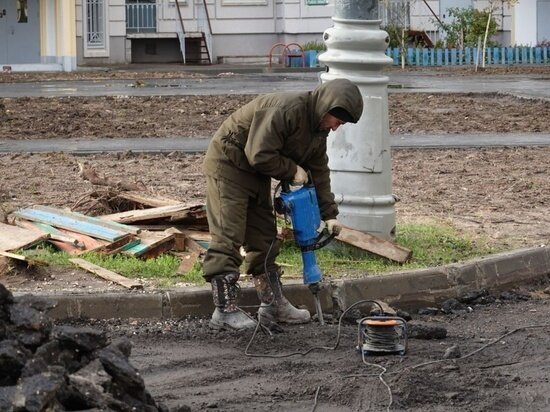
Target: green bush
column 467, row 26
column 314, row 45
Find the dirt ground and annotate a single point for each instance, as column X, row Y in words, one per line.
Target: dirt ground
column 495, row 194
column 509, row 375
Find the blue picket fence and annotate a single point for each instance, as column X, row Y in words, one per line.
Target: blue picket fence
column 467, row 56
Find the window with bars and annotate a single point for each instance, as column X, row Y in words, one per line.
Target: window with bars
column 316, row 2
column 95, row 24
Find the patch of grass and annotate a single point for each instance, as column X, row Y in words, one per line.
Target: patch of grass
column 163, row 266
column 47, row 253
column 432, row 244
column 194, row 275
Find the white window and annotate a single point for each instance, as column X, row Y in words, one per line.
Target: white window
column 316, row 2
column 244, row 2
column 95, row 28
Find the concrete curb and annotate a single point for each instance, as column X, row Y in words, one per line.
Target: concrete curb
column 199, row 145
column 407, row 290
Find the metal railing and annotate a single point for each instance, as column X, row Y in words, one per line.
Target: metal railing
column 203, row 25
column 141, row 17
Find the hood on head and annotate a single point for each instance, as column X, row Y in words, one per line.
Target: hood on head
column 335, row 93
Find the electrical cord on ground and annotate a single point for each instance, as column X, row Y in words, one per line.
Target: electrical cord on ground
column 338, row 337
column 316, row 399
column 304, row 353
column 258, row 322
column 384, row 370
column 496, row 340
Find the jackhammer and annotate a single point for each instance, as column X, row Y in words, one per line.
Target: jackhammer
column 302, row 207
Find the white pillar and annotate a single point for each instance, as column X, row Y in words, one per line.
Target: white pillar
column 359, row 153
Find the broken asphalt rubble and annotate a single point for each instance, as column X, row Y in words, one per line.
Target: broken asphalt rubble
column 46, row 367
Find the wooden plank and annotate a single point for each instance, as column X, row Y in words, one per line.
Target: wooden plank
column 14, row 256
column 54, row 233
column 14, row 237
column 29, row 260
column 67, row 247
column 75, row 222
column 89, row 242
column 187, row 261
column 179, row 239
column 142, row 199
column 107, row 274
column 198, row 232
column 132, row 216
column 192, row 245
column 374, row 244
column 196, row 212
column 98, row 245
column 4, row 266
column 95, row 220
column 151, row 245
column 119, row 245
column 197, row 235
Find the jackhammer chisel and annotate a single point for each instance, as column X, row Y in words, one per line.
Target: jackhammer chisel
column 302, row 207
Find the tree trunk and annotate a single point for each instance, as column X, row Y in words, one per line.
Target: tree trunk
column 403, row 50
column 485, row 38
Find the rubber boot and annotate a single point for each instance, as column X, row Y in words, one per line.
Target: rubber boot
column 225, row 291
column 275, row 307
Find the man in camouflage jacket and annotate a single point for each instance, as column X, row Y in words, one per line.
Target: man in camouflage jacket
column 275, row 136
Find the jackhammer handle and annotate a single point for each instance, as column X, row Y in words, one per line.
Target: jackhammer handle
column 285, row 184
column 320, row 242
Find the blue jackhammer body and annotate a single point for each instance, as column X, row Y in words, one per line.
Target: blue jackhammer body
column 302, row 207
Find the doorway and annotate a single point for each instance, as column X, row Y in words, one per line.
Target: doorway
column 19, row 32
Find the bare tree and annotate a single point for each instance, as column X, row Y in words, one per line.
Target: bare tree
column 397, row 14
column 491, row 9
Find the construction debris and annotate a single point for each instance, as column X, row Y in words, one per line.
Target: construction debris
column 13, row 237
column 150, row 245
column 107, row 274
column 374, row 244
column 77, row 233
column 47, row 367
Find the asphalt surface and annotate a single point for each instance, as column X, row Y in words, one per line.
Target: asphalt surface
column 238, row 82
column 197, row 145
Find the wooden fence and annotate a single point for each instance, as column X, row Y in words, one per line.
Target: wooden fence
column 471, row 55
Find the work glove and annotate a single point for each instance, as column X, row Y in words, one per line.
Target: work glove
column 333, row 226
column 300, row 177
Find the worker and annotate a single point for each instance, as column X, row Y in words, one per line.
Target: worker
column 278, row 136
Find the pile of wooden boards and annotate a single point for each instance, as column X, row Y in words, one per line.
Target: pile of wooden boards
column 146, row 232
column 76, row 233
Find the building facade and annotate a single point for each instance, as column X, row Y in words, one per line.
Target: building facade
column 37, row 35
column 64, row 34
